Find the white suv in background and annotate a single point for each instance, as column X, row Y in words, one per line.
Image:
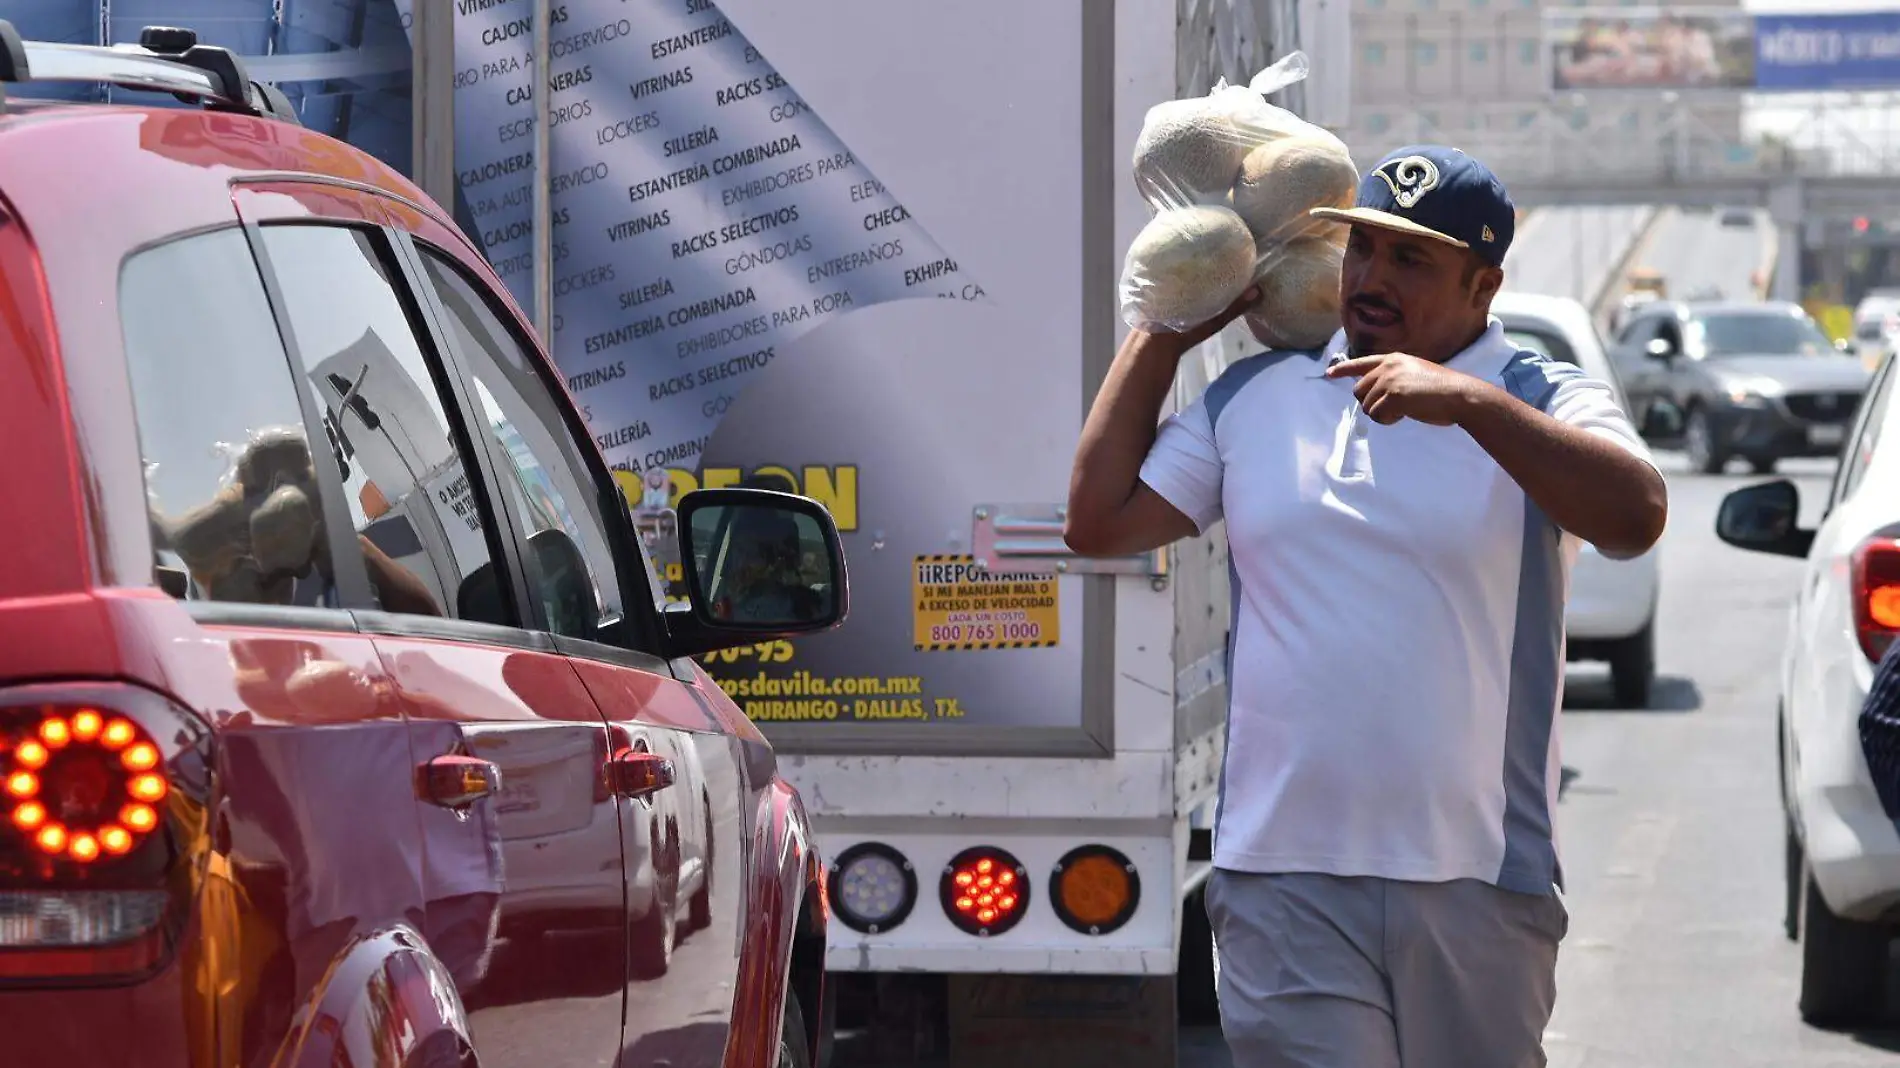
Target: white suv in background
column 1612, row 609
column 1877, row 326
column 1843, row 852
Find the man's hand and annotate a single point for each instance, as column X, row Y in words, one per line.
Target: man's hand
column 1585, row 483
column 1395, row 386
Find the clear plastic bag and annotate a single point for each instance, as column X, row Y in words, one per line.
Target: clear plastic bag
column 1231, row 179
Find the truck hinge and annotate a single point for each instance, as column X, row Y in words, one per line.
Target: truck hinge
column 1027, row 539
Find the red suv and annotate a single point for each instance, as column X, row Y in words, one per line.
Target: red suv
column 341, row 721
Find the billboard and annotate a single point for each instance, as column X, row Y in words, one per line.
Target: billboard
column 1805, row 53
column 766, row 275
column 1635, row 48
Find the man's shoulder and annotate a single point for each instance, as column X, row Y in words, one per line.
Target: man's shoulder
column 1239, row 374
column 1535, row 378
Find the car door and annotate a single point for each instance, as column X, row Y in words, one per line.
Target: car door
column 522, row 868
column 1638, row 370
column 1678, row 370
column 682, row 825
column 317, row 844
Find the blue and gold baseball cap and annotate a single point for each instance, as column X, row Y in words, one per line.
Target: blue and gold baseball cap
column 1435, row 192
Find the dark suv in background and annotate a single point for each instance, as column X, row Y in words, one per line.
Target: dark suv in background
column 1755, row 380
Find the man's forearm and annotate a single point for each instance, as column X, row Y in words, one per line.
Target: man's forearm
column 1119, row 431
column 1586, row 484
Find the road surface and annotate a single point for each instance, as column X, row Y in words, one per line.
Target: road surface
column 1694, row 251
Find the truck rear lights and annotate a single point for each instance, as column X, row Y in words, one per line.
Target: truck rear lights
column 984, row 891
column 872, row 887
column 104, row 829
column 1876, row 595
column 83, row 785
column 1095, row 889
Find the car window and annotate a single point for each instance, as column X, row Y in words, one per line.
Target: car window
column 1542, row 342
column 1860, row 449
column 235, row 511
column 571, row 565
column 1639, row 331
column 413, row 499
column 1546, row 340
column 1758, row 334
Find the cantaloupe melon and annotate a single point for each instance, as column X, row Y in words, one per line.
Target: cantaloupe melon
column 1189, row 152
column 1283, row 179
column 1299, row 297
column 1186, row 266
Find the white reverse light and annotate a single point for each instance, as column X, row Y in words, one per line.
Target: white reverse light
column 872, row 887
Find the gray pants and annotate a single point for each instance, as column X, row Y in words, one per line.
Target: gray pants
column 1319, row 971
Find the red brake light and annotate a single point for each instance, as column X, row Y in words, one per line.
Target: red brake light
column 983, row 891
column 99, row 784
column 1876, row 594
column 102, row 794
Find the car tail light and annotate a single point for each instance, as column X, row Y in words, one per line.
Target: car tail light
column 984, row 891
column 1095, row 889
column 1876, row 593
column 102, row 801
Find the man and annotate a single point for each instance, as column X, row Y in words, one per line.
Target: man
column 1402, row 511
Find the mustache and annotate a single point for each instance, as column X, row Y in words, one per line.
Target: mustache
column 1371, row 303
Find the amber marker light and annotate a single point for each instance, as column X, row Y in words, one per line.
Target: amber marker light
column 1094, row 889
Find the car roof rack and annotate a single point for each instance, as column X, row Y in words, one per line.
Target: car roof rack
column 167, row 59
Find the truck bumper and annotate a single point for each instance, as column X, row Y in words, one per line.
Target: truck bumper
column 925, row 940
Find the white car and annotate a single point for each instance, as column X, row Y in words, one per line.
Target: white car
column 1843, row 853
column 1612, row 609
column 1877, row 327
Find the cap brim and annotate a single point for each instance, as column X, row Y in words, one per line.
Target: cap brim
column 1385, row 220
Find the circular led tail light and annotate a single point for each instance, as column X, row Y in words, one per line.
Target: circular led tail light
column 83, row 786
column 873, row 887
column 984, row 890
column 1094, row 889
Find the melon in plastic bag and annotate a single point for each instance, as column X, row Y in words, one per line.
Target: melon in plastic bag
column 1281, row 181
column 1298, row 306
column 1207, row 163
column 1189, row 152
column 1186, row 266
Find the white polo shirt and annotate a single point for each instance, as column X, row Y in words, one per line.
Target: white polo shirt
column 1396, row 661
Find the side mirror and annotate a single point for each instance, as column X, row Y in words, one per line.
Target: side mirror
column 1762, row 518
column 759, row 565
column 1659, row 349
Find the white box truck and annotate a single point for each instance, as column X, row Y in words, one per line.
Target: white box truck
column 868, row 252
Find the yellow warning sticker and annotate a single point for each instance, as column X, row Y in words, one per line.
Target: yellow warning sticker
column 959, row 607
